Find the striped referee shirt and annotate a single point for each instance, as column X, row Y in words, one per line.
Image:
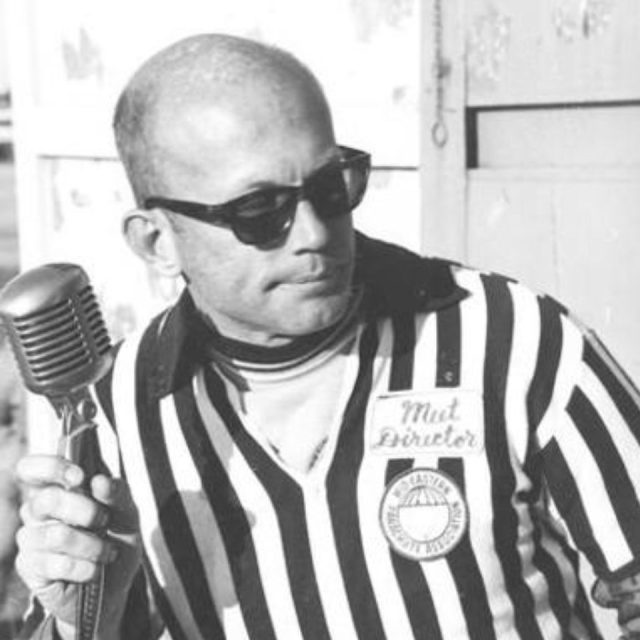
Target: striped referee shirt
column 485, row 442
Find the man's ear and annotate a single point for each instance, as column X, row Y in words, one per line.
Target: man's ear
column 152, row 238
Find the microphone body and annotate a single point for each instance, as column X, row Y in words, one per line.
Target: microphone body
column 62, row 346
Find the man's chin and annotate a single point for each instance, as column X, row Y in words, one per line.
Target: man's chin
column 311, row 316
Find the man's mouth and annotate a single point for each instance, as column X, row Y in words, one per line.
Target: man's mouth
column 327, row 275
column 320, row 276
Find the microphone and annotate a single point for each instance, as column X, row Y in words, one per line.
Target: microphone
column 61, row 345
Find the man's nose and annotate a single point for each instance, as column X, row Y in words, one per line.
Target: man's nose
column 309, row 230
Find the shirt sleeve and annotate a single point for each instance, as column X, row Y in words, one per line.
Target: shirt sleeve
column 590, row 447
column 140, row 620
column 37, row 624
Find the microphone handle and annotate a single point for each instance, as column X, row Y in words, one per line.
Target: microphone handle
column 88, row 607
column 78, row 444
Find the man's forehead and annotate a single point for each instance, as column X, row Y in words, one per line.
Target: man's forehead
column 239, row 146
column 187, row 107
column 221, row 116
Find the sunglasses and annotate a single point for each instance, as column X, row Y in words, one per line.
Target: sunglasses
column 265, row 215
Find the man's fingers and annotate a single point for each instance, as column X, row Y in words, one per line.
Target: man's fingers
column 40, row 568
column 58, row 538
column 56, row 503
column 114, row 493
column 104, row 489
column 41, row 470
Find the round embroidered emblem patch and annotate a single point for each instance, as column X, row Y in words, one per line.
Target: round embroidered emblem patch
column 423, row 514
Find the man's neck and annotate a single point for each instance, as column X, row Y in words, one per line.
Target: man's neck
column 295, row 350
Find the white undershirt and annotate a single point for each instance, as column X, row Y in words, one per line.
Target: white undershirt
column 295, row 411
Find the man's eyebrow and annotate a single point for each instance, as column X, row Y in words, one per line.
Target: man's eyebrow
column 258, row 184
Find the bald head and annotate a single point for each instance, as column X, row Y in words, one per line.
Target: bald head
column 251, row 82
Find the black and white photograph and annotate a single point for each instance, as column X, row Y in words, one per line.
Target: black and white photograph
column 320, row 320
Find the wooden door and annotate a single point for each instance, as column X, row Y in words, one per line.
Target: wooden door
column 540, row 177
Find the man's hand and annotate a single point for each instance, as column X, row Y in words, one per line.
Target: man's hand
column 68, row 536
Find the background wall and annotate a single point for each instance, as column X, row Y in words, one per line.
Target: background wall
column 8, row 219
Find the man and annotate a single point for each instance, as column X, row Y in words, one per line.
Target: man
column 327, row 436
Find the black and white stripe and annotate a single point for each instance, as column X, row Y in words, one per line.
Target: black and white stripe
column 240, row 547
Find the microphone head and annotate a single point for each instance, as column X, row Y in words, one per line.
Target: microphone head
column 56, row 329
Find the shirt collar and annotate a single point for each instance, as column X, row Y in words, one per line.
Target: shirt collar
column 395, row 280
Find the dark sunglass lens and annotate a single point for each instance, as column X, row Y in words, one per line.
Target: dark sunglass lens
column 267, row 225
column 255, row 205
column 356, row 178
column 328, row 193
column 264, row 216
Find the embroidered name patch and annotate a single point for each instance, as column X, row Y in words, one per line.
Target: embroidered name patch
column 445, row 422
column 423, row 514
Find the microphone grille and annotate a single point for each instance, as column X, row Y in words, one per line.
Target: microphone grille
column 63, row 345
